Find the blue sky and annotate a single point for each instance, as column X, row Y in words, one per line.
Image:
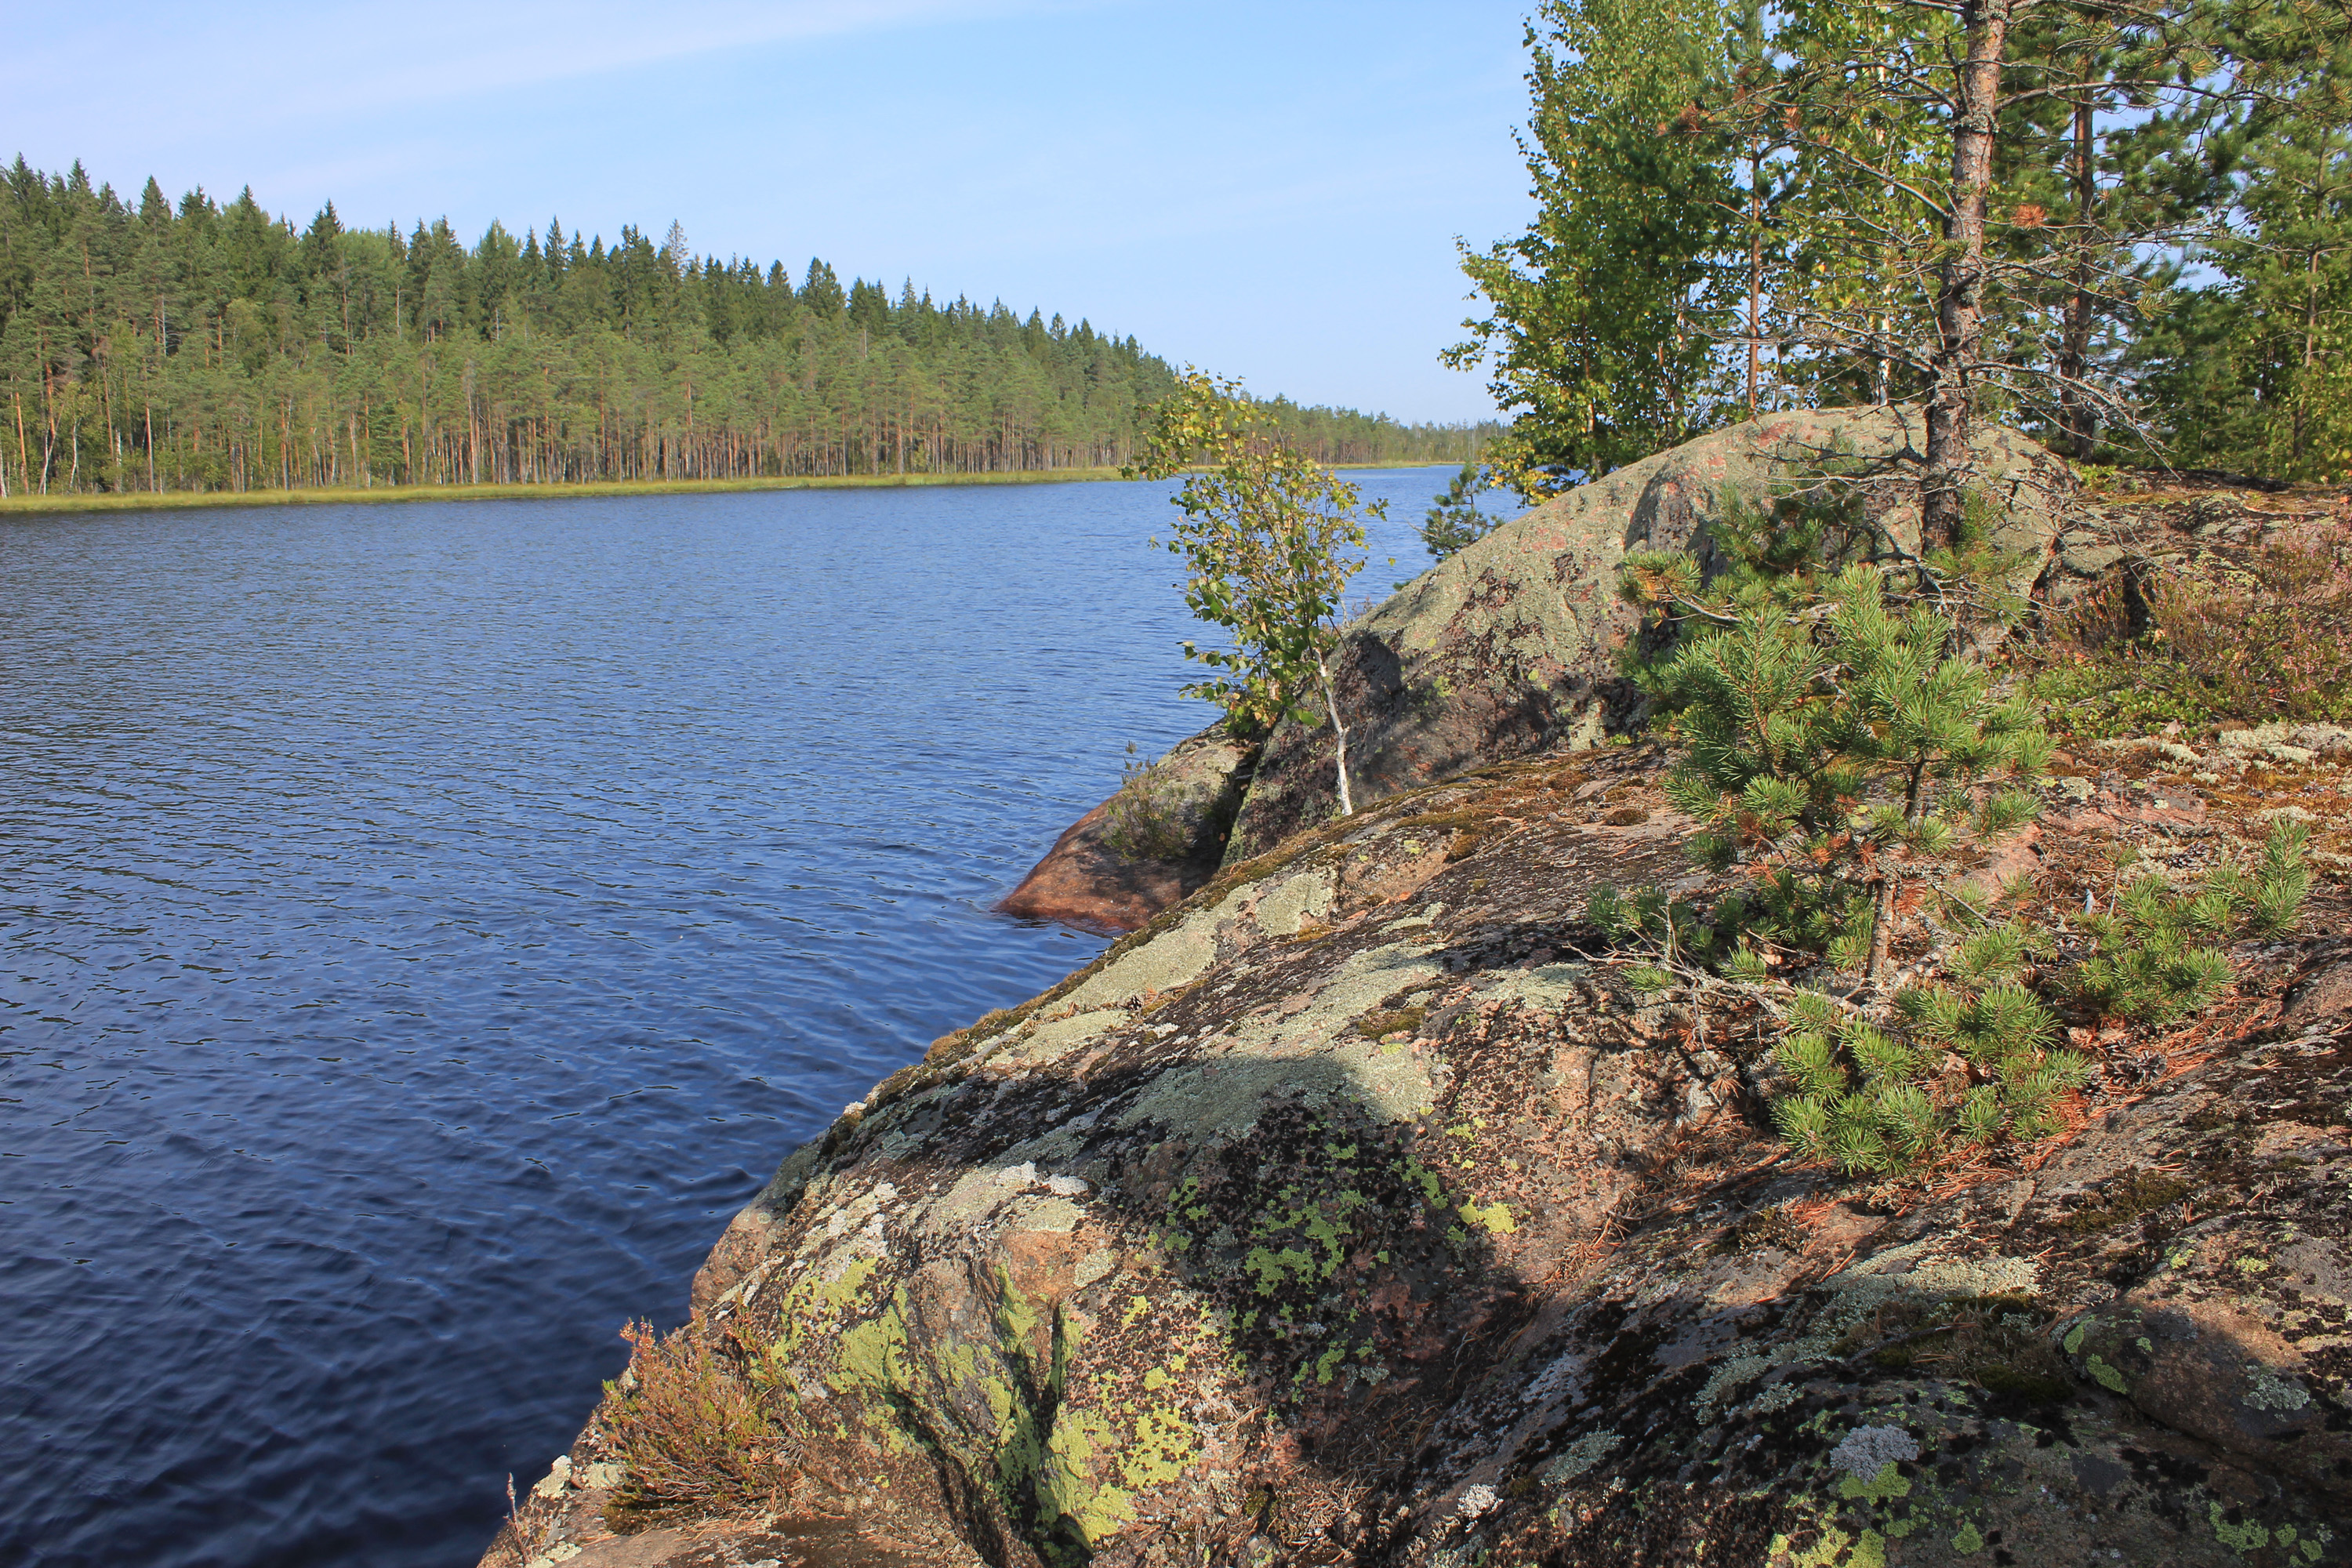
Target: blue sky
column 1269, row 190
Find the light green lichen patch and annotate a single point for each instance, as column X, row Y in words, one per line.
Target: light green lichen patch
column 1174, row 957
column 873, row 1354
column 1315, row 1235
column 2249, row 1536
column 981, row 1195
column 1834, row 1549
column 2269, row 1391
column 1581, row 1455
column 1285, row 907
column 1496, row 1217
column 1884, row 1487
column 1160, row 1451
column 1222, row 1095
column 1547, row 988
column 1052, row 1040
column 1067, row 1491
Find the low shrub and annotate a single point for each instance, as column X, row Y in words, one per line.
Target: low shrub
column 2275, row 641
column 691, row 1427
column 1831, row 721
column 2270, row 640
column 1836, row 735
column 2122, row 692
column 1150, row 818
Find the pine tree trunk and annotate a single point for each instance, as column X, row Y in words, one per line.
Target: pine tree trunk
column 1755, row 266
column 1959, row 296
column 2075, row 340
column 1881, row 926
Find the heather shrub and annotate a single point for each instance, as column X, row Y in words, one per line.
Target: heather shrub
column 691, row 1425
column 2273, row 640
column 1150, row 818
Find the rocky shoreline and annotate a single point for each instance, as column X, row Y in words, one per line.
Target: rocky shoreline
column 1360, row 1207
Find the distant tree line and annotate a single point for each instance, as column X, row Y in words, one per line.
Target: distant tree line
column 201, row 346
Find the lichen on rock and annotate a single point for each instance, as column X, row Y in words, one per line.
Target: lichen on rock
column 1361, row 1209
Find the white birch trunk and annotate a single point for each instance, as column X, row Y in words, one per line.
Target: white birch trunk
column 1331, row 704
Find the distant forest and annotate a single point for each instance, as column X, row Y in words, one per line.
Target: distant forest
column 154, row 347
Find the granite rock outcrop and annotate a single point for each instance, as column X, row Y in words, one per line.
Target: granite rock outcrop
column 1511, row 648
column 1360, row 1210
column 1363, row 1207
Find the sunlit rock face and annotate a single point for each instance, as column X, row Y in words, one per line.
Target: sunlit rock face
column 1143, row 851
column 1359, row 1210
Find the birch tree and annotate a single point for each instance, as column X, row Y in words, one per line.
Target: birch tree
column 1269, row 540
column 1591, row 335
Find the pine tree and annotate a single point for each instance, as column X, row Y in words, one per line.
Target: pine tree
column 1835, row 727
column 1455, row 521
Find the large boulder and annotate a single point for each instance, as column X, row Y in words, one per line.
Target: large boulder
column 1513, row 645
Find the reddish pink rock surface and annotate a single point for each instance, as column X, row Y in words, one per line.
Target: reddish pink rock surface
column 1083, row 882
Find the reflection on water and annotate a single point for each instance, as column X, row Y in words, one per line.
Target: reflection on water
column 421, row 926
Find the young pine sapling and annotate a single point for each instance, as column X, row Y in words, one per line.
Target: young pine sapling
column 1835, row 729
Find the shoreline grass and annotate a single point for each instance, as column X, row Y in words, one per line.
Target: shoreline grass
column 174, row 501
column 179, row 501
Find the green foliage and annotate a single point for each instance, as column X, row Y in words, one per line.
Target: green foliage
column 1835, row 734
column 2108, row 695
column 1879, row 1097
column 1973, row 1058
column 211, row 346
column 1589, row 335
column 1831, row 725
column 2153, row 961
column 1671, row 925
column 2275, row 640
column 1825, row 201
column 1455, row 521
column 2251, row 370
column 1265, row 537
column 1147, row 818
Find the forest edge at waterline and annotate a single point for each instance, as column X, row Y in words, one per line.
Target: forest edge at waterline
column 181, row 500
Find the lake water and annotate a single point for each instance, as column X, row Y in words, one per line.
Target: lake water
column 421, row 926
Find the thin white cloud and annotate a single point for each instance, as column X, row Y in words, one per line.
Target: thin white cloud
column 197, row 66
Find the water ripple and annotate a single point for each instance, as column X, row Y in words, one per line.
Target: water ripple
column 421, row 926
